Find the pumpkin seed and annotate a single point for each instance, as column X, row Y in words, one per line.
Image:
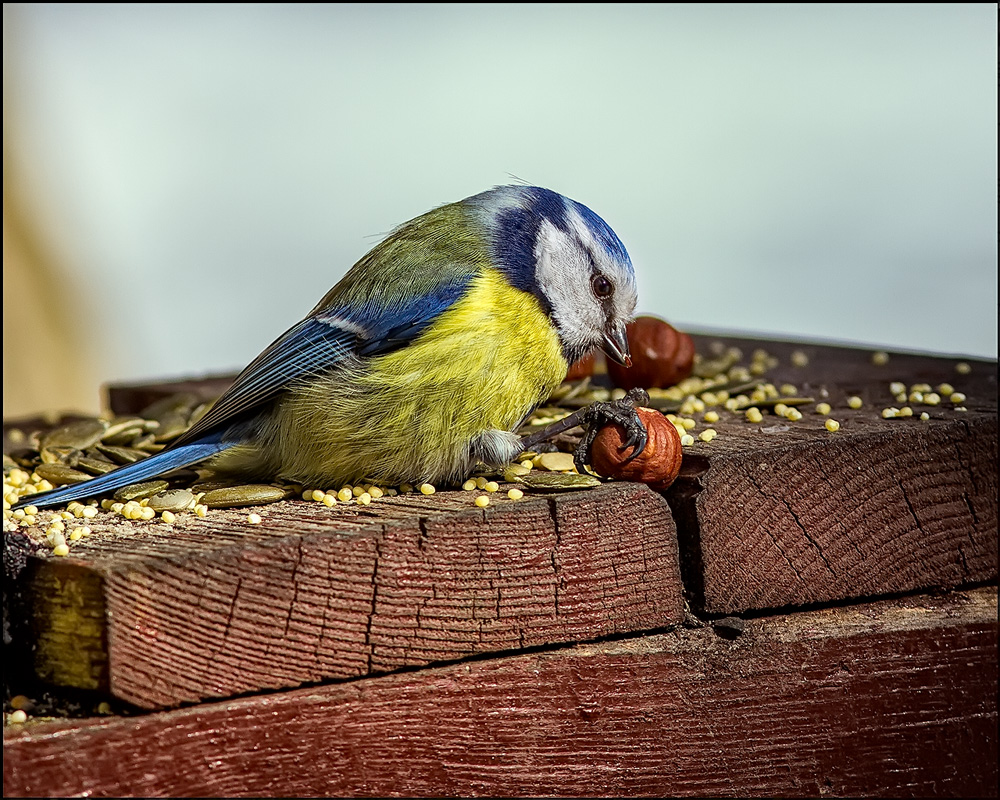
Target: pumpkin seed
column 121, row 455
column 95, row 466
column 137, row 491
column 60, row 474
column 255, row 494
column 174, row 500
column 123, row 429
column 80, row 434
column 552, row 481
column 172, row 425
column 61, row 455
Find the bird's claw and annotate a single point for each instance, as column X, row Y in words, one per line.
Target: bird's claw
column 621, row 412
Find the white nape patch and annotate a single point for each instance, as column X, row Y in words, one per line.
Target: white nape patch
column 563, row 269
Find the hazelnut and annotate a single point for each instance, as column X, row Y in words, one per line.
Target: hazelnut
column 661, row 355
column 581, row 369
column 657, row 465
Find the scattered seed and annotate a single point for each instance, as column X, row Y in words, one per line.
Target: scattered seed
column 61, row 550
column 963, row 368
column 708, row 434
column 515, row 494
column 753, row 415
column 855, row 402
column 831, row 425
column 60, row 474
column 556, row 462
column 956, row 398
column 257, row 494
column 880, row 358
column 554, row 481
column 80, row 434
column 426, row 488
column 173, row 500
column 140, row 491
column 823, row 408
column 253, row 519
column 482, row 501
column 95, row 466
column 18, row 717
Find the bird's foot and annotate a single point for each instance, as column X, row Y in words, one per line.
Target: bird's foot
column 616, row 412
column 593, row 418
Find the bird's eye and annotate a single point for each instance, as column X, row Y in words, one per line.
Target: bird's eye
column 602, row 286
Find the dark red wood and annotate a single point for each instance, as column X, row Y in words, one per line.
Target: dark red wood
column 895, row 698
column 784, row 513
column 216, row 607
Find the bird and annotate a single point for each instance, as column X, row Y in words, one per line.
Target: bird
column 425, row 358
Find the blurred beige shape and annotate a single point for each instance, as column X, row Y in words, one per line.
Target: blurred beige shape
column 47, row 355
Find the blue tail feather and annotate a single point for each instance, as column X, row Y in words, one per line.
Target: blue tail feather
column 147, row 468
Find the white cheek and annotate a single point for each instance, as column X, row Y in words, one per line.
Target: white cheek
column 564, row 277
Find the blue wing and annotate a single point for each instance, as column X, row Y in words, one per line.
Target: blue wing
column 319, row 343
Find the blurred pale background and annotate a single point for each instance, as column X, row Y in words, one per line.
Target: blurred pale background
column 182, row 182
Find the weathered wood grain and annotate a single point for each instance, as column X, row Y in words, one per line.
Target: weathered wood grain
column 159, row 614
column 785, row 513
column 895, row 698
column 771, row 515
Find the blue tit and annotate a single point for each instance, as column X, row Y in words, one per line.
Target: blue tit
column 424, row 359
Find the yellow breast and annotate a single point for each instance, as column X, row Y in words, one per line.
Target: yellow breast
column 410, row 415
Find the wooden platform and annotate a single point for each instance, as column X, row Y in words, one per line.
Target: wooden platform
column 478, row 616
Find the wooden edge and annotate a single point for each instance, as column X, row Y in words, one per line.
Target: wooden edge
column 222, row 607
column 888, row 698
column 849, row 516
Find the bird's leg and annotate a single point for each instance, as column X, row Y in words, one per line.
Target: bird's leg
column 594, row 417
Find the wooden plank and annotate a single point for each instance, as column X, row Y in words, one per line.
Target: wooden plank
column 786, row 513
column 159, row 614
column 894, row 698
column 769, row 515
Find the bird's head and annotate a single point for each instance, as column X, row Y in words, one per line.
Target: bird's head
column 569, row 258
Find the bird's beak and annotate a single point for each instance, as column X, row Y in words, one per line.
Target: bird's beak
column 616, row 346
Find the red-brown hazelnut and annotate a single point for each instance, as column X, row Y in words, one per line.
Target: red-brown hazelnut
column 661, row 355
column 657, row 465
column 581, row 369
